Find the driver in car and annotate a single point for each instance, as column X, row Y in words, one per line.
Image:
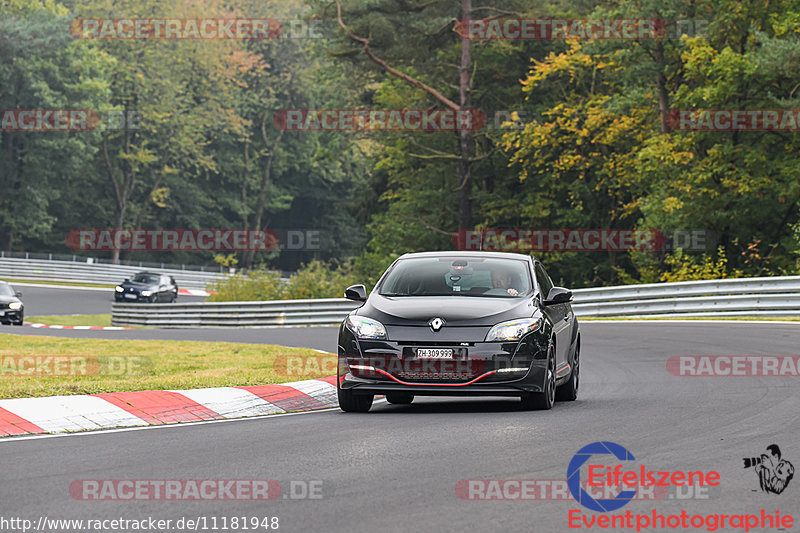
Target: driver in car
column 503, row 280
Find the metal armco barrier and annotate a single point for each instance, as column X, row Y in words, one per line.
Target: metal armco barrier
column 234, row 314
column 778, row 296
column 74, row 271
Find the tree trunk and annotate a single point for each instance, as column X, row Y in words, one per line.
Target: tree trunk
column 465, row 134
column 661, row 80
column 266, row 182
column 123, row 190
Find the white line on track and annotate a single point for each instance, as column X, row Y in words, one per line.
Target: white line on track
column 170, row 426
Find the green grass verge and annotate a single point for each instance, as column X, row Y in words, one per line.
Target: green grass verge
column 72, row 320
column 54, row 282
column 90, row 366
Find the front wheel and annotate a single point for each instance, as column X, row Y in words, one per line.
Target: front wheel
column 542, row 401
column 354, row 403
column 569, row 391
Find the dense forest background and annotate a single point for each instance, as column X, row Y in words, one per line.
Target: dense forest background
column 578, row 133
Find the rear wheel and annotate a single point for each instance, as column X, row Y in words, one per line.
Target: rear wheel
column 569, row 391
column 400, row 398
column 354, row 403
column 543, row 400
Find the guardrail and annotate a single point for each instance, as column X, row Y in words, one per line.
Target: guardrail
column 777, row 296
column 77, row 272
column 315, row 312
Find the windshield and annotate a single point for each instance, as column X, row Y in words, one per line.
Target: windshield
column 6, row 290
column 455, row 276
column 145, row 278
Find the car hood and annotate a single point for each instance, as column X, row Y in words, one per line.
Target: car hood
column 454, row 310
column 9, row 299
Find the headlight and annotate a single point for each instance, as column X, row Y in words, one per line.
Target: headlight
column 147, row 293
column 513, row 330
column 366, row 328
column 16, row 306
column 119, row 289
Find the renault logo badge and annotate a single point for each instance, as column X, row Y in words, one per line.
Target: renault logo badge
column 436, row 324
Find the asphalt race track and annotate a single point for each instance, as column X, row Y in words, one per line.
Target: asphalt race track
column 318, row 338
column 72, row 300
column 397, row 467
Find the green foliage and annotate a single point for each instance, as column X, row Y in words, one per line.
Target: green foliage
column 592, row 150
column 255, row 285
column 686, row 268
column 314, row 280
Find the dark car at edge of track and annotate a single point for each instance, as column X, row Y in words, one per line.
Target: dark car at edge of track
column 147, row 287
column 12, row 310
column 459, row 323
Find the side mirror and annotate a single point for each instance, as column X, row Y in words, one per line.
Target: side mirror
column 558, row 295
column 356, row 293
column 18, row 294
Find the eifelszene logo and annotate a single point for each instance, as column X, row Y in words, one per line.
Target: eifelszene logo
column 774, row 473
column 600, row 475
column 574, row 476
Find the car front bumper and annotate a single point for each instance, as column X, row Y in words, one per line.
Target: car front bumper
column 476, row 368
column 11, row 315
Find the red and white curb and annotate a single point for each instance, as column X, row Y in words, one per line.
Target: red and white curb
column 196, row 292
column 55, row 326
column 63, row 414
column 188, row 292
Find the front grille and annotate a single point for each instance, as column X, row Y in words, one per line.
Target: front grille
column 435, row 376
column 435, row 343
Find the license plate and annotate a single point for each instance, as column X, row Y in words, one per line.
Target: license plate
column 131, row 296
column 434, row 353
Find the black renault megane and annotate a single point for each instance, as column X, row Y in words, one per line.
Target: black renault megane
column 460, row 323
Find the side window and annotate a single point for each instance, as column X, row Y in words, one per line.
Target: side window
column 543, row 279
column 172, row 280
